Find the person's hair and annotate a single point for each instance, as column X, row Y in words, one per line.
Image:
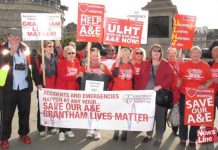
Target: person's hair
column 196, row 48
column 155, row 47
column 143, row 53
column 124, row 49
column 171, row 49
column 46, row 43
column 68, row 49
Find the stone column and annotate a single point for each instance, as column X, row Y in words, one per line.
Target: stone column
column 161, row 13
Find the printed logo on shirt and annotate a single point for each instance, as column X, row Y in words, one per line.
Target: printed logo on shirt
column 195, row 74
column 71, row 71
column 214, row 73
column 125, row 74
column 137, row 70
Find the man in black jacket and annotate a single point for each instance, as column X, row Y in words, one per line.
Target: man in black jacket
column 17, row 89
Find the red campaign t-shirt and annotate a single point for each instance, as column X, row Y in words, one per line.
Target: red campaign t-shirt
column 66, row 75
column 194, row 74
column 98, row 69
column 124, row 79
column 214, row 72
column 137, row 68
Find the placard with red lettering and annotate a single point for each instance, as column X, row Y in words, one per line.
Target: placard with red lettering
column 207, row 135
column 199, row 107
column 183, row 31
column 98, row 110
column 122, row 32
column 41, row 26
column 90, row 22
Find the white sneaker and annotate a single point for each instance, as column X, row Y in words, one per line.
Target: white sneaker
column 61, row 136
column 97, row 134
column 70, row 134
column 42, row 133
column 54, row 131
column 90, row 133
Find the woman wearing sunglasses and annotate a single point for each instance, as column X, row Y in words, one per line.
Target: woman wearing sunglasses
column 67, row 73
column 156, row 74
column 137, row 59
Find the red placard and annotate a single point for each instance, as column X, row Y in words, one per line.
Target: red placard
column 207, row 135
column 199, row 107
column 183, row 31
column 90, row 22
column 122, row 32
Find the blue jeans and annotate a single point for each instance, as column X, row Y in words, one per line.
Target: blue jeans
column 183, row 129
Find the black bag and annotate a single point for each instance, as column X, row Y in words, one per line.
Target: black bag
column 163, row 97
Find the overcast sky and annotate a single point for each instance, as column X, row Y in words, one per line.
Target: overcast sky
column 205, row 10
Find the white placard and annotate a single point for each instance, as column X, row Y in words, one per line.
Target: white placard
column 110, row 110
column 94, row 86
column 41, row 26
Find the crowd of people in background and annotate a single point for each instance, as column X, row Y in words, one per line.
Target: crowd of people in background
column 66, row 68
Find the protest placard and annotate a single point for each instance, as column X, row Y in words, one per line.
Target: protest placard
column 112, row 110
column 207, row 135
column 122, row 32
column 183, row 31
column 90, row 22
column 41, row 26
column 199, row 107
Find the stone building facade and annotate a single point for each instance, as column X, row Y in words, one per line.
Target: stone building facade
column 11, row 10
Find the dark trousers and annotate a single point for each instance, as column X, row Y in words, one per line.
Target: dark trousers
column 64, row 130
column 183, row 129
column 159, row 121
column 11, row 99
column 39, row 126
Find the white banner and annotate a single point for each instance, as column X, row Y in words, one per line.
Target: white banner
column 111, row 110
column 41, row 26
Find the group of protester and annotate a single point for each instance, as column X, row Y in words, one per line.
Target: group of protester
column 66, row 69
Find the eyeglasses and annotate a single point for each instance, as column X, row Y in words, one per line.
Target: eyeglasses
column 50, row 46
column 156, row 50
column 110, row 50
column 139, row 53
column 70, row 53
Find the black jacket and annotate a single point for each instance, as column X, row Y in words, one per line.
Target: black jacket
column 8, row 59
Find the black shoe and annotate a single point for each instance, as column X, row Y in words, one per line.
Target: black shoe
column 124, row 136
column 116, row 134
column 182, row 142
column 157, row 143
column 146, row 139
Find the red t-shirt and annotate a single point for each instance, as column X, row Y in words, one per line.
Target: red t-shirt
column 66, row 75
column 137, row 76
column 124, row 79
column 214, row 72
column 194, row 74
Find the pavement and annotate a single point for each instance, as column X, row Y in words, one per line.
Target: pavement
column 79, row 142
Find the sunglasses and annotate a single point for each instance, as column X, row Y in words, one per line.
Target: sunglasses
column 50, row 46
column 70, row 53
column 110, row 50
column 156, row 50
column 139, row 53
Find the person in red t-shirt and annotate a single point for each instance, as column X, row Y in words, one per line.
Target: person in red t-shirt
column 214, row 70
column 175, row 62
column 123, row 72
column 67, row 73
column 50, row 67
column 137, row 59
column 194, row 73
